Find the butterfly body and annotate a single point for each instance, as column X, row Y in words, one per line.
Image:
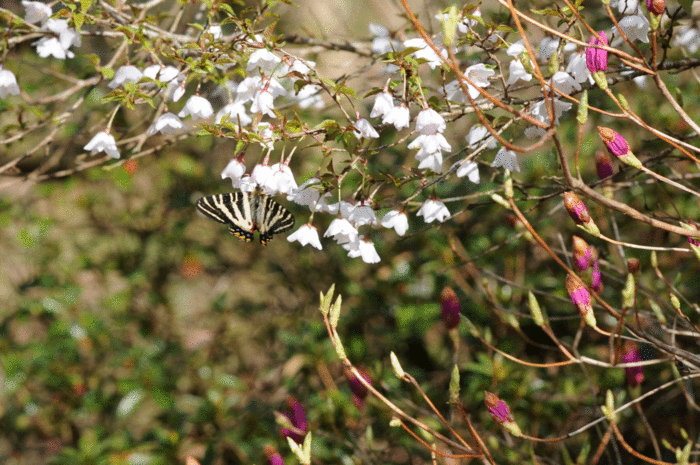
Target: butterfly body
column 246, row 212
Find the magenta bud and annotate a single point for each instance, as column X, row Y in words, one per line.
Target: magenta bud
column 581, row 299
column 630, row 354
column 616, row 144
column 656, row 6
column 500, row 412
column 597, row 58
column 692, row 240
column 603, row 165
column 359, row 391
column 596, row 278
column 273, row 457
column 297, row 417
column 450, row 307
column 576, row 208
column 582, row 254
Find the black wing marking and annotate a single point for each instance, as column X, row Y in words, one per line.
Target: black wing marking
column 245, row 212
column 233, row 209
column 271, row 218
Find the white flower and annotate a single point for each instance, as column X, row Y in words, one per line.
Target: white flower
column 263, row 59
column 8, row 83
column 215, row 31
column 263, row 102
column 507, row 159
column 430, row 122
column 398, row 116
column 425, row 52
column 283, row 178
column 397, row 220
column 577, row 67
column 307, row 194
column 479, row 75
column 429, row 144
column 198, row 107
column 516, row 48
column 246, row 184
column 565, row 83
column 57, row 47
column 266, row 134
column 178, row 91
column 470, row 169
column 309, row 96
column 635, row 28
column 234, row 171
column 167, row 123
column 688, row 38
column 103, row 142
column 235, row 112
column 306, row 234
column 539, row 110
column 626, row 7
column 364, row 129
column 548, row 46
column 364, row 248
column 518, row 72
column 382, row 42
column 301, row 66
column 383, row 104
column 478, row 134
column 37, row 12
column 362, row 215
column 161, row 73
column 432, row 161
column 341, row 230
column 247, row 88
column 262, row 176
column 127, row 73
column 433, row 209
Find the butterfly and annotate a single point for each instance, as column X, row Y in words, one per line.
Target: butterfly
column 246, row 212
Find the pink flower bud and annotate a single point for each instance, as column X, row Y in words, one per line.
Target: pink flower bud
column 603, row 165
column 596, row 278
column 273, row 457
column 616, row 144
column 597, row 58
column 656, row 6
column 450, row 307
column 582, row 254
column 297, row 417
column 359, row 391
column 577, row 210
column 581, row 299
column 692, row 240
column 500, row 412
column 630, row 354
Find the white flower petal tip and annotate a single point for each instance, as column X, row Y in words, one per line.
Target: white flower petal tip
column 306, row 235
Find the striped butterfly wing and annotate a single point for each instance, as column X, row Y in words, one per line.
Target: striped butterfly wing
column 271, row 218
column 233, row 209
column 245, row 212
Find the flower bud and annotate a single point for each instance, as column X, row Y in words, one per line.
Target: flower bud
column 656, row 6
column 500, row 412
column 582, row 254
column 597, row 58
column 603, row 165
column 630, row 354
column 450, row 307
column 273, row 457
column 581, row 299
column 359, row 391
column 633, row 265
column 596, row 278
column 579, row 213
column 297, row 417
column 617, row 146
